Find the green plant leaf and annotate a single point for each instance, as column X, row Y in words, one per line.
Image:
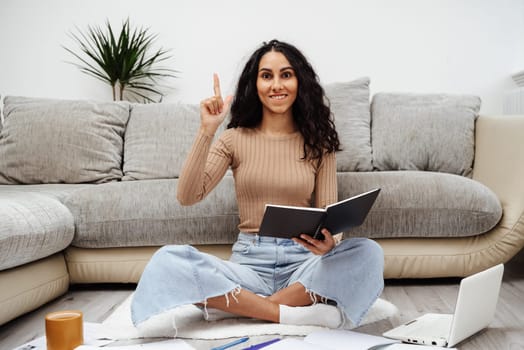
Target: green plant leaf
column 128, row 60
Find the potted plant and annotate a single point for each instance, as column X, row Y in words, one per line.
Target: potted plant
column 127, row 63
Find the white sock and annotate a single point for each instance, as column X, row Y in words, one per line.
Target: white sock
column 314, row 315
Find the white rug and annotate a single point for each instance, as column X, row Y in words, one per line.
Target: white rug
column 190, row 324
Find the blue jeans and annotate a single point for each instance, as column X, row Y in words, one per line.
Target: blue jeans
column 351, row 274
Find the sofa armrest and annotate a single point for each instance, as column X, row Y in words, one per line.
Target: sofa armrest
column 499, row 160
column 499, row 164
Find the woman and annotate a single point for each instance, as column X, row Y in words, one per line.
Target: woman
column 280, row 144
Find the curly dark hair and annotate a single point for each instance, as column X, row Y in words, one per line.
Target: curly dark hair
column 311, row 111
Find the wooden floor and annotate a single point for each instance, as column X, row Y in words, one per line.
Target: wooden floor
column 412, row 297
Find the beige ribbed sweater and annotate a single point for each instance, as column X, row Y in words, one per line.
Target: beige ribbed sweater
column 267, row 169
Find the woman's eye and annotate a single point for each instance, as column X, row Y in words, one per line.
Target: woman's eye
column 266, row 76
column 287, row 75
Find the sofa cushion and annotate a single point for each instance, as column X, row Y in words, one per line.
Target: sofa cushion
column 158, row 138
column 32, row 226
column 146, row 213
column 429, row 132
column 422, row 204
column 57, row 191
column 59, row 141
column 350, row 107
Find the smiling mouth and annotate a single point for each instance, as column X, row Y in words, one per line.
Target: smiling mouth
column 277, row 97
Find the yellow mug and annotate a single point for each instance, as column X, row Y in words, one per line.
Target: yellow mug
column 64, row 330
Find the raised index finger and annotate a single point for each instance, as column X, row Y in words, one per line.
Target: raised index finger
column 216, row 85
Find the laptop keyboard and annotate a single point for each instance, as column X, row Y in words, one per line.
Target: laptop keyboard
column 430, row 328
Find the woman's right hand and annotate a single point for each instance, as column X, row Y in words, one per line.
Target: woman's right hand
column 213, row 110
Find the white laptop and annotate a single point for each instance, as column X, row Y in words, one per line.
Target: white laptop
column 475, row 309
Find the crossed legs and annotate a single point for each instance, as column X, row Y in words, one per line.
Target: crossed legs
column 252, row 305
column 180, row 275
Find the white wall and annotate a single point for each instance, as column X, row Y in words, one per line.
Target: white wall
column 455, row 46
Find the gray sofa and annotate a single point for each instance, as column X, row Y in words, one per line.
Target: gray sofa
column 88, row 189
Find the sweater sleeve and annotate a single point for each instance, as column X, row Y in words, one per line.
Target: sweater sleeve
column 203, row 169
column 326, row 191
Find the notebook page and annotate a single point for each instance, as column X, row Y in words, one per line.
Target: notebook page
column 343, row 339
column 292, row 343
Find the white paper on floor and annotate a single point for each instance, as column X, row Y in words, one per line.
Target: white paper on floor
column 190, row 324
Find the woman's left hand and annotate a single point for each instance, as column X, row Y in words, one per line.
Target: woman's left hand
column 316, row 246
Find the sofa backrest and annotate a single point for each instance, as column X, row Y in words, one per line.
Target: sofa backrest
column 158, row 136
column 157, row 140
column 403, row 131
column 349, row 102
column 1, row 113
column 59, row 141
column 430, row 132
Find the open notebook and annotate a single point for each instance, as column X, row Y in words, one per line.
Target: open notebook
column 288, row 221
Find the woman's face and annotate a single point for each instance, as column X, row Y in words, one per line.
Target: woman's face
column 277, row 83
